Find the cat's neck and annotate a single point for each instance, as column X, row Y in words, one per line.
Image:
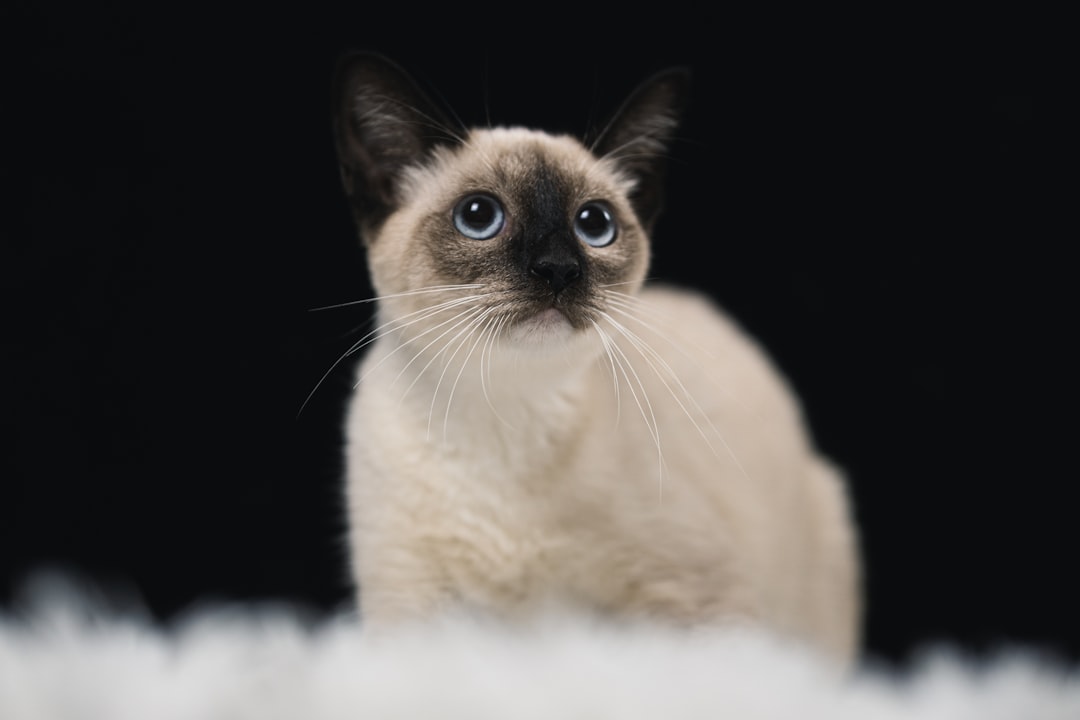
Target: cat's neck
column 508, row 394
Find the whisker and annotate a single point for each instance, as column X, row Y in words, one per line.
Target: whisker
column 420, row 291
column 319, row 383
column 653, row 426
column 464, row 363
column 461, row 318
column 652, row 144
column 411, row 319
column 485, row 376
column 430, row 122
column 619, row 284
column 446, row 366
column 646, row 351
column 631, row 307
column 631, row 310
column 604, row 341
column 383, row 330
column 398, row 325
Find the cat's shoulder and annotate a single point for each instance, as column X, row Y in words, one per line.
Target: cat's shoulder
column 683, row 307
column 699, row 324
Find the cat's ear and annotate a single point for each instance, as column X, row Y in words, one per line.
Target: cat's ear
column 383, row 122
column 639, row 137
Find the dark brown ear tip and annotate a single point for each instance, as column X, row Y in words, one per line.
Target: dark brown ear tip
column 352, row 62
column 357, row 69
column 356, row 65
column 679, row 75
column 346, row 70
column 665, row 92
column 676, row 81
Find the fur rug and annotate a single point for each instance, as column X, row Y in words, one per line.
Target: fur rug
column 62, row 659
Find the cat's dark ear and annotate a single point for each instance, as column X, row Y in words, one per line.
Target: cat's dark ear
column 639, row 136
column 383, row 122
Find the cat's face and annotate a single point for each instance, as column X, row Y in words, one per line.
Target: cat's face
column 535, row 224
column 531, row 232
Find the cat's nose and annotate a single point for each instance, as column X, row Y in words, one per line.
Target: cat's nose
column 558, row 273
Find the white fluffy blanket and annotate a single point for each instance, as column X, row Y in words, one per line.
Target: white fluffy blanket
column 63, row 660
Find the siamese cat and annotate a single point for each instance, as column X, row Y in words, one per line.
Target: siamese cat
column 534, row 426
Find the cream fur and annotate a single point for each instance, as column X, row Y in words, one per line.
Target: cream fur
column 536, row 470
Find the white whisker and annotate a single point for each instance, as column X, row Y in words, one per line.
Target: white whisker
column 482, row 318
column 649, row 355
column 378, row 332
column 605, row 286
column 634, row 305
column 401, row 346
column 631, row 307
column 604, row 341
column 649, row 417
column 485, row 375
column 410, row 319
column 395, row 325
column 447, row 363
column 421, row 291
column 429, row 121
column 461, row 318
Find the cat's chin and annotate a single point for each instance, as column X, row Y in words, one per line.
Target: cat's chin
column 547, row 328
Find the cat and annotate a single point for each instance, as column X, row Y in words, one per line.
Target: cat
column 533, row 425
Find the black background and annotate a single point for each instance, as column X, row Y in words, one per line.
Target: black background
column 865, row 193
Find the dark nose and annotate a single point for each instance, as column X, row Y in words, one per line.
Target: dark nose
column 558, row 272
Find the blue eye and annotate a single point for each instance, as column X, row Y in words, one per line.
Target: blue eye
column 595, row 225
column 479, row 217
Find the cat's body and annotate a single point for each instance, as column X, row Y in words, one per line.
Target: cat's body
column 534, row 429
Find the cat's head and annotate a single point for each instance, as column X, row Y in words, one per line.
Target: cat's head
column 537, row 228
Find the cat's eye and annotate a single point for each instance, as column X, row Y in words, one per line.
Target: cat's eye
column 595, row 225
column 479, row 217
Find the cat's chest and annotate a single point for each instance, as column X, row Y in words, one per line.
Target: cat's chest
column 498, row 549
column 484, row 528
column 479, row 492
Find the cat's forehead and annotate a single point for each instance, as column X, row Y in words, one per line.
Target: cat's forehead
column 518, row 158
column 520, row 149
